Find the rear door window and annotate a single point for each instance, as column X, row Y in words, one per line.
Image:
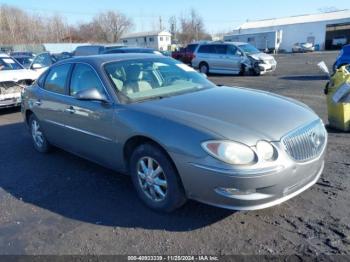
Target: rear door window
column 207, row 49
column 57, row 78
column 191, row 48
column 221, row 49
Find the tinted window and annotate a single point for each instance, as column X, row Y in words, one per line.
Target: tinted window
column 191, row 48
column 84, row 77
column 221, row 49
column 208, row 49
column 56, row 79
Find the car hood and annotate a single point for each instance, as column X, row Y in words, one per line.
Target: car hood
column 17, row 75
column 237, row 114
column 262, row 56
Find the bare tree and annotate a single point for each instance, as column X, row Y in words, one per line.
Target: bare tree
column 111, row 25
column 20, row 27
column 192, row 28
column 58, row 29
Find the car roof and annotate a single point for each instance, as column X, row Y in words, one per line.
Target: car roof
column 224, row 43
column 134, row 48
column 101, row 59
column 4, row 55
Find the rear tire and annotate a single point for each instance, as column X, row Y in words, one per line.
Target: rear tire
column 39, row 140
column 155, row 179
column 204, row 68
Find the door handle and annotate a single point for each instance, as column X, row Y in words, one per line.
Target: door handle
column 38, row 103
column 70, row 110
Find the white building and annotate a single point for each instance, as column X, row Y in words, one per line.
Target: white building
column 159, row 40
column 326, row 30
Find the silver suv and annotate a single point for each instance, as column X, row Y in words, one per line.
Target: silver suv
column 232, row 58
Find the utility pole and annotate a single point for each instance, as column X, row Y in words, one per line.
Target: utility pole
column 160, row 24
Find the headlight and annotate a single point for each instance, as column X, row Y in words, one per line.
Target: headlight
column 265, row 150
column 230, row 152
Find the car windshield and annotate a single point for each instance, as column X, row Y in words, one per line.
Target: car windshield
column 24, row 60
column 7, row 63
column 249, row 49
column 146, row 79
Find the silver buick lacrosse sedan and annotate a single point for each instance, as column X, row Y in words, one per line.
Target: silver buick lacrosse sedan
column 175, row 133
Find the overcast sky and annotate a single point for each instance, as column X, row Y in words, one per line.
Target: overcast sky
column 219, row 15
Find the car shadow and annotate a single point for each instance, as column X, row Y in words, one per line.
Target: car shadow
column 332, row 130
column 305, row 77
column 10, row 110
column 78, row 189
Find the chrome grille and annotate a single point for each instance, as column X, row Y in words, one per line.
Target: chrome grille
column 307, row 142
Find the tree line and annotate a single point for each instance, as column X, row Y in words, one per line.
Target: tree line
column 18, row 26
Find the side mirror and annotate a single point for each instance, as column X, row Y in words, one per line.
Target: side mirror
column 37, row 66
column 90, row 94
column 239, row 53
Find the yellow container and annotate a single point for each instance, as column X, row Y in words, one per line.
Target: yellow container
column 338, row 113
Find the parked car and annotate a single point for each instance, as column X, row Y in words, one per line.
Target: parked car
column 44, row 60
column 13, row 78
column 185, row 55
column 232, row 58
column 148, row 116
column 343, row 58
column 303, row 48
column 24, row 60
column 87, row 50
column 123, row 50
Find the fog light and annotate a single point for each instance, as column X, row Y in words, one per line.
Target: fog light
column 235, row 191
column 246, row 195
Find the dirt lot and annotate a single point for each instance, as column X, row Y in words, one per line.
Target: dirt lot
column 61, row 204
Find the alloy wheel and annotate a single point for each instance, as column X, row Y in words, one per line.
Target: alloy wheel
column 37, row 134
column 204, row 69
column 152, row 179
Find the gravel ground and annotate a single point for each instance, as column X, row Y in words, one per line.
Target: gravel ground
column 61, row 204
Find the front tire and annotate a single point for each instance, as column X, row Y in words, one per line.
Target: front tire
column 204, row 68
column 155, row 179
column 256, row 70
column 39, row 140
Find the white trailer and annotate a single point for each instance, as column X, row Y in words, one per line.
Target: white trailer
column 264, row 41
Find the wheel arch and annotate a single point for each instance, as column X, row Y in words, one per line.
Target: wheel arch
column 133, row 142
column 28, row 113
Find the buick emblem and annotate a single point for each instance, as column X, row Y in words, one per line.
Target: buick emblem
column 315, row 140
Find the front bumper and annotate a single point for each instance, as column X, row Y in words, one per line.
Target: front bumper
column 10, row 100
column 250, row 189
column 265, row 68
